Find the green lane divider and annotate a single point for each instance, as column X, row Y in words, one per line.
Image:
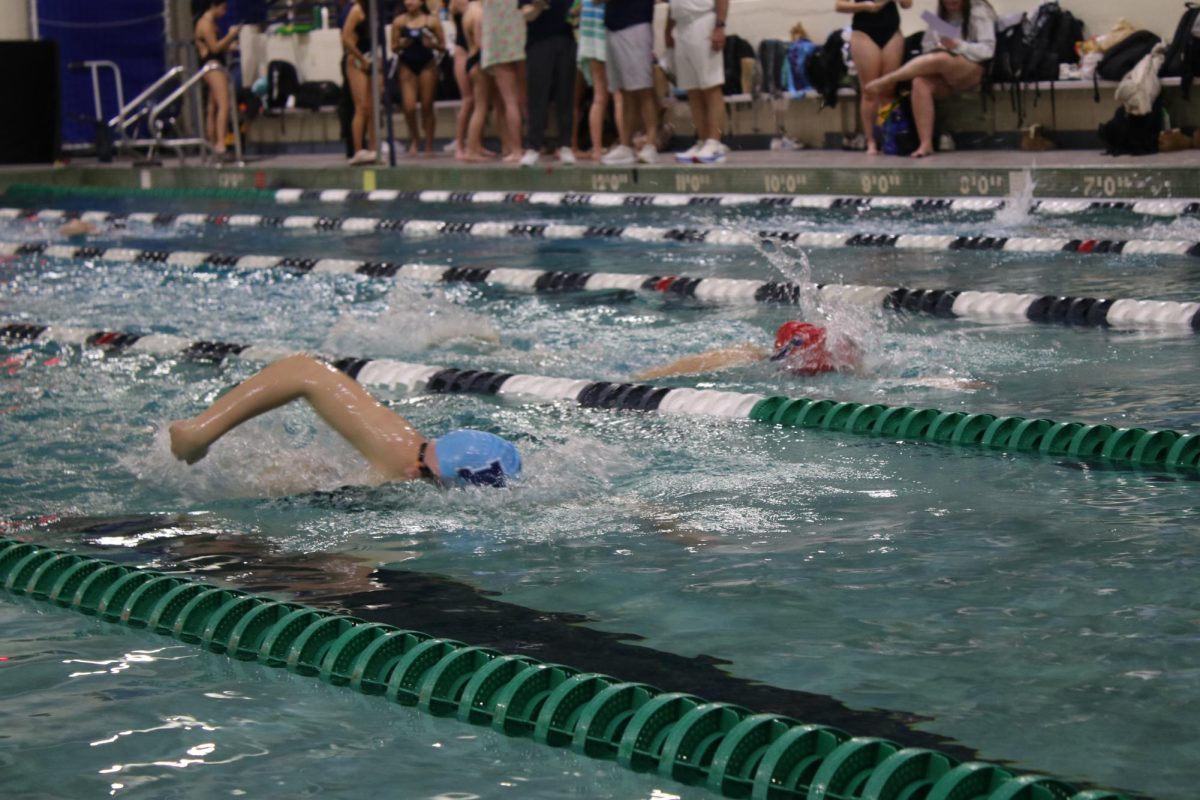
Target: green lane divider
column 18, row 190
column 729, row 749
column 1134, row 446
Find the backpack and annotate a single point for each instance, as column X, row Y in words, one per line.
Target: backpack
column 1182, row 59
column 772, row 54
column 1122, row 58
column 896, row 133
column 1010, row 55
column 736, row 48
column 314, row 95
column 798, row 54
column 826, row 68
column 1127, row 134
column 1049, row 41
column 282, row 83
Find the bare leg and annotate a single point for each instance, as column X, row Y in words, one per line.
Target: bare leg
column 925, row 91
column 599, row 107
column 218, row 109
column 648, row 106
column 409, row 92
column 506, row 76
column 428, row 86
column 869, row 60
column 387, row 440
column 467, row 92
column 714, row 99
column 360, row 89
column 958, row 72
column 479, row 81
column 700, row 118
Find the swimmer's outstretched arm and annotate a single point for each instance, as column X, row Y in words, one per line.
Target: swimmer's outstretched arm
column 707, row 362
column 387, row 440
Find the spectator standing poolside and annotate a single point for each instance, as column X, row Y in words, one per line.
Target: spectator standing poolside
column 462, row 52
column 590, row 59
column 696, row 32
column 629, row 66
column 356, row 37
column 417, row 40
column 212, row 48
column 482, row 84
column 877, row 49
column 949, row 65
column 503, row 57
column 550, row 69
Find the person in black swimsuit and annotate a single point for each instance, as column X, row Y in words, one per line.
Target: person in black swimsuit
column 212, row 48
column 877, row 48
column 417, row 36
column 356, row 41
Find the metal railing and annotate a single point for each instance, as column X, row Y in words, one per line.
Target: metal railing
column 180, row 144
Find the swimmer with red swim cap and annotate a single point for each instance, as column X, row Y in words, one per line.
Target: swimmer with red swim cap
column 801, row 348
column 388, row 441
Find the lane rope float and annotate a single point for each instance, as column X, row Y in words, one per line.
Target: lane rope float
column 425, row 228
column 727, row 748
column 1127, row 446
column 1166, row 208
column 945, row 303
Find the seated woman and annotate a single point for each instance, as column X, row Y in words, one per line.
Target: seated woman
column 949, row 65
column 417, row 38
column 389, row 442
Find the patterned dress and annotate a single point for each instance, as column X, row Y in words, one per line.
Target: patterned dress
column 503, row 33
column 591, row 33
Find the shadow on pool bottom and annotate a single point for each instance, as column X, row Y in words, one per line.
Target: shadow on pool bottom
column 447, row 608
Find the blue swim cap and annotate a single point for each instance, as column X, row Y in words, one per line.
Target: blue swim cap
column 476, row 458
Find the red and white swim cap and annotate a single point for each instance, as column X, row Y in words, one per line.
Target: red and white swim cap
column 805, row 349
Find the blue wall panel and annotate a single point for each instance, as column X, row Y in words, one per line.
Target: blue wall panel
column 130, row 32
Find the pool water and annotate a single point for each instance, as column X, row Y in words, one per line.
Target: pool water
column 1038, row 611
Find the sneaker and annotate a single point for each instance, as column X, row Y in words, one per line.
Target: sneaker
column 648, row 154
column 689, row 156
column 530, row 159
column 620, row 155
column 566, row 156
column 363, row 157
column 713, row 152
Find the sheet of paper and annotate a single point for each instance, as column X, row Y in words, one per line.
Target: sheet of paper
column 941, row 27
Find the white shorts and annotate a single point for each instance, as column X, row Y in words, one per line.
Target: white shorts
column 697, row 65
column 630, row 58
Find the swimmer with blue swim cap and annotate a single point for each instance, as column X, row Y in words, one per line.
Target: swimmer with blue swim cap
column 389, row 442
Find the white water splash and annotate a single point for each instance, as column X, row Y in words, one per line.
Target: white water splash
column 1015, row 213
column 416, row 317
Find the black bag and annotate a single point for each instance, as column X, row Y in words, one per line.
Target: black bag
column 1133, row 135
column 826, row 69
column 1183, row 55
column 736, row 48
column 315, row 95
column 1118, row 61
column 772, row 54
column 1049, row 41
column 1010, row 55
column 249, row 104
column 282, row 83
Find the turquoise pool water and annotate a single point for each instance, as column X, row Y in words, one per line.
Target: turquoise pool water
column 1038, row 611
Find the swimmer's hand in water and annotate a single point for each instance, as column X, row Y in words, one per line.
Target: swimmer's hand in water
column 186, row 444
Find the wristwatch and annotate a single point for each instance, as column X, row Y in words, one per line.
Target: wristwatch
column 720, row 23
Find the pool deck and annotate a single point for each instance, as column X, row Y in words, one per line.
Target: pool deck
column 972, row 173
